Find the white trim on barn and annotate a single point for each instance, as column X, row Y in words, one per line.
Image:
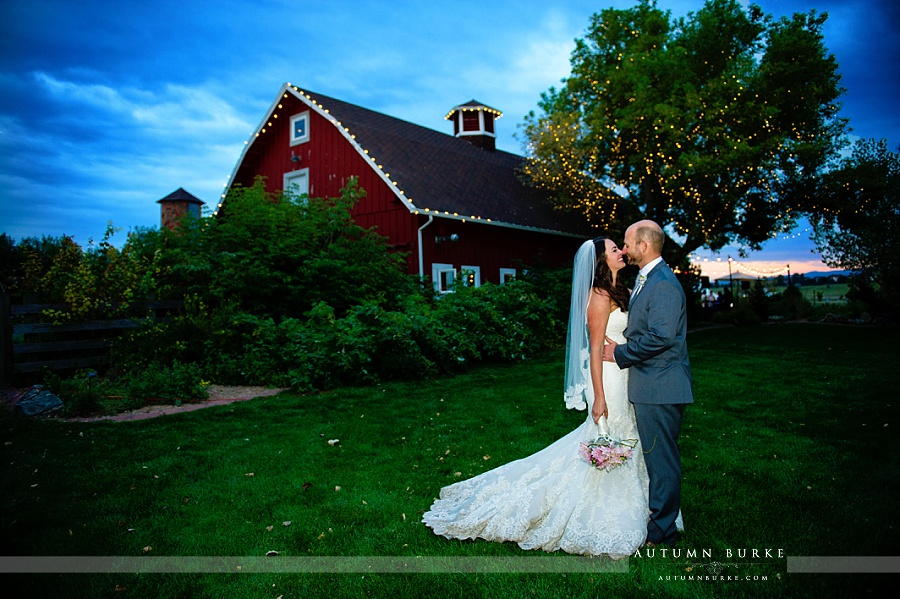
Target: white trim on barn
column 393, row 185
column 299, row 179
column 443, row 276
column 301, row 137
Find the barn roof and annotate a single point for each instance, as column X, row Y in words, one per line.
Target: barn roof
column 437, row 174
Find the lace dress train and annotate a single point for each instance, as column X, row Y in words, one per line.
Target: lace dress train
column 552, row 499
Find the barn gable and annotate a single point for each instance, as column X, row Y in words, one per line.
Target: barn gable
column 413, row 176
column 432, row 172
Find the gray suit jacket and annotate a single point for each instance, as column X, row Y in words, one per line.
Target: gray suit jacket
column 656, row 348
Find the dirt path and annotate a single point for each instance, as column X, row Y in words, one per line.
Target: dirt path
column 218, row 395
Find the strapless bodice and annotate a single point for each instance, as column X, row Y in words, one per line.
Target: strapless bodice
column 615, row 327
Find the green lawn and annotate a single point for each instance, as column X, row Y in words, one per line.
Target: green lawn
column 829, row 294
column 791, row 445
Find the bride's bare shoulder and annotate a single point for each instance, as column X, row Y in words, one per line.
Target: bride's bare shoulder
column 602, row 294
column 605, row 300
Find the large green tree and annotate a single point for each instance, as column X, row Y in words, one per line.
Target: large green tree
column 859, row 222
column 717, row 125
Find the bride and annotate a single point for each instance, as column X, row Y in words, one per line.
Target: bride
column 552, row 499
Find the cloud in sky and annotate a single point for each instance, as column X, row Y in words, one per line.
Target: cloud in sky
column 109, row 106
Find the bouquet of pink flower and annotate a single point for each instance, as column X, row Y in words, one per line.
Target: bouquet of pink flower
column 605, row 452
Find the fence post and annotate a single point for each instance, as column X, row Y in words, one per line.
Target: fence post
column 6, row 354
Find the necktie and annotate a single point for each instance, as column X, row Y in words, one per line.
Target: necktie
column 640, row 284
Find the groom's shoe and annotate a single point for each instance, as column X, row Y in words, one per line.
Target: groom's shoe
column 672, row 540
column 669, row 542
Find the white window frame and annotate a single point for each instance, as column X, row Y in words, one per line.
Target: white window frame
column 296, row 140
column 291, row 177
column 476, row 275
column 505, row 272
column 438, row 269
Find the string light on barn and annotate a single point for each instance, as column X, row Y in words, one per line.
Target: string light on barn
column 307, row 98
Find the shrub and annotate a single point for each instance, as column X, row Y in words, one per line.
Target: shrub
column 278, row 255
column 506, row 323
column 421, row 338
column 741, row 314
column 279, row 289
column 791, row 304
column 368, row 345
column 420, row 335
column 80, row 394
column 86, row 393
column 759, row 303
column 176, row 382
column 876, row 301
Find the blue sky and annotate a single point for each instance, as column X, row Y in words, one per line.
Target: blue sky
column 108, row 106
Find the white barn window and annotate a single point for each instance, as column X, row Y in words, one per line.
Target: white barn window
column 507, row 275
column 443, row 276
column 300, row 128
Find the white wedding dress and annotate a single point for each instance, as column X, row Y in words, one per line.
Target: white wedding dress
column 552, row 499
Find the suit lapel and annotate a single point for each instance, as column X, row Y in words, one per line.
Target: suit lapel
column 636, row 319
column 652, row 276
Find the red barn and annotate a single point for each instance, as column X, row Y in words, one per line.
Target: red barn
column 454, row 202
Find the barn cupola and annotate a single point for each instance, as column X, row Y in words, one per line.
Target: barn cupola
column 474, row 122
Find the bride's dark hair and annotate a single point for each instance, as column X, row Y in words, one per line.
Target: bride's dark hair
column 603, row 277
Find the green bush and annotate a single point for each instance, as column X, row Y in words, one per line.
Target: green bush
column 285, row 290
column 100, row 282
column 279, row 255
column 419, row 339
column 176, row 382
column 420, row 335
column 80, row 394
column 790, row 304
column 758, row 300
column 554, row 286
column 86, row 394
column 741, row 314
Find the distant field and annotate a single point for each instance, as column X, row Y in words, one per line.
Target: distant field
column 836, row 292
column 816, row 294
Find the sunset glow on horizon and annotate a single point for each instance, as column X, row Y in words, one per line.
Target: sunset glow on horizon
column 715, row 269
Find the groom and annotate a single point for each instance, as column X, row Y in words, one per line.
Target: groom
column 659, row 382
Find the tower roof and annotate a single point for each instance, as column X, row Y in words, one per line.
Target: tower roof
column 180, row 195
column 474, row 105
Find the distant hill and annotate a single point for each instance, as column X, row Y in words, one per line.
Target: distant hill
column 826, row 273
column 809, row 276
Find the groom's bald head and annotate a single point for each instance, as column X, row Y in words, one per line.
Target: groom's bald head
column 643, row 242
column 652, row 233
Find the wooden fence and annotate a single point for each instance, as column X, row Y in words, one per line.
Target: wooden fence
column 28, row 346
